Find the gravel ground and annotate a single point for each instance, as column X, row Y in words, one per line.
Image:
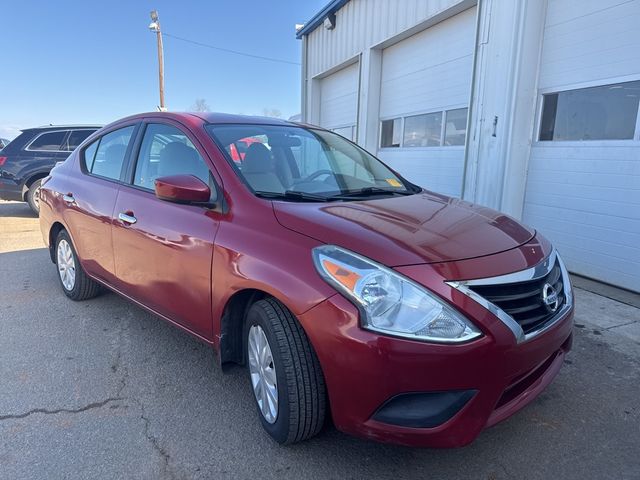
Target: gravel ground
column 102, row 389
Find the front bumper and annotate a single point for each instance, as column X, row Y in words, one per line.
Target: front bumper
column 364, row 371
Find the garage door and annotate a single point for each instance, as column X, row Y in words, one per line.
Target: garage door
column 339, row 100
column 583, row 184
column 426, row 81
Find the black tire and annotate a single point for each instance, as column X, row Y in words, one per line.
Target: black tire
column 32, row 198
column 83, row 286
column 302, row 395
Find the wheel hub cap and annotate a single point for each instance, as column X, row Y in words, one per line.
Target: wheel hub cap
column 263, row 373
column 66, row 265
column 36, row 197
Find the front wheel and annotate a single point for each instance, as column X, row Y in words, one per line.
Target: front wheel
column 75, row 283
column 286, row 377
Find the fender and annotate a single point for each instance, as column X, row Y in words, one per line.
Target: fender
column 237, row 267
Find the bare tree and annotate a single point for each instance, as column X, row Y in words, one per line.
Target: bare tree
column 271, row 112
column 200, row 105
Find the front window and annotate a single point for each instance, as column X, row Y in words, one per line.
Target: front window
column 165, row 151
column 300, row 163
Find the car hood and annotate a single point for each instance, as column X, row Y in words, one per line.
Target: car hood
column 421, row 228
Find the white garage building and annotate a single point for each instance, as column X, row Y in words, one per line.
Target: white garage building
column 527, row 106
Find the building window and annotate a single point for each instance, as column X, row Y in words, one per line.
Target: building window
column 455, row 130
column 423, row 130
column 391, row 132
column 607, row 112
column 426, row 130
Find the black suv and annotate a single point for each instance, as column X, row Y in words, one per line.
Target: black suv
column 31, row 156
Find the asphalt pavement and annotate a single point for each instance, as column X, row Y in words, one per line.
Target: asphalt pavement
column 102, row 389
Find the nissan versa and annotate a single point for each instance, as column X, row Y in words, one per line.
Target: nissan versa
column 408, row 316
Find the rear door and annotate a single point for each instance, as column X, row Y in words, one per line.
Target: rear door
column 90, row 199
column 41, row 154
column 163, row 251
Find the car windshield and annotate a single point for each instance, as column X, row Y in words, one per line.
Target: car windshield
column 305, row 164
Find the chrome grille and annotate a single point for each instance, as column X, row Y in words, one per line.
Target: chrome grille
column 518, row 299
column 523, row 301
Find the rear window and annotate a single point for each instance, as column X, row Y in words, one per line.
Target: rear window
column 49, row 141
column 105, row 156
column 75, row 138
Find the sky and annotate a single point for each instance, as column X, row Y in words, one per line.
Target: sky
column 86, row 61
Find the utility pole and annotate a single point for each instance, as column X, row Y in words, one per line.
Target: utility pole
column 154, row 26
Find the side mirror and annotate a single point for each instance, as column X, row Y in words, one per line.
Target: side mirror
column 182, row 189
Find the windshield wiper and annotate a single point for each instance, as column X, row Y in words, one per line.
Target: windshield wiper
column 349, row 195
column 294, row 195
column 369, row 191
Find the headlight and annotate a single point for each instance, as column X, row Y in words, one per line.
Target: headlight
column 390, row 303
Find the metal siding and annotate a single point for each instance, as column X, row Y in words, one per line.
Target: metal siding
column 585, row 196
column 361, row 24
column 589, row 40
column 430, row 70
column 438, row 168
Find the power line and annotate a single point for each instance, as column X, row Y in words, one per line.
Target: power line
column 200, row 44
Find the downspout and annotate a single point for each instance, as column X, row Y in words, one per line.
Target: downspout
column 471, row 97
column 356, row 134
column 303, row 76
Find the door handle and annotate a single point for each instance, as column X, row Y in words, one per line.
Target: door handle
column 130, row 219
column 69, row 199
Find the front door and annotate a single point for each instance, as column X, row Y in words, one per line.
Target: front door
column 164, row 251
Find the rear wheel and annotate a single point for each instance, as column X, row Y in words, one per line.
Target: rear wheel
column 33, row 196
column 75, row 283
column 287, row 381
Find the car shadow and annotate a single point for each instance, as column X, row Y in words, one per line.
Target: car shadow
column 16, row 210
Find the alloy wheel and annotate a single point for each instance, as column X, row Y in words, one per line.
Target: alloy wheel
column 36, row 197
column 66, row 265
column 263, row 373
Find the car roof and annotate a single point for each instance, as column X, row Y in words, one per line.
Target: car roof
column 214, row 117
column 61, row 127
column 210, row 117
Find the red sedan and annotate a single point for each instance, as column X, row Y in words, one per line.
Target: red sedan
column 411, row 317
